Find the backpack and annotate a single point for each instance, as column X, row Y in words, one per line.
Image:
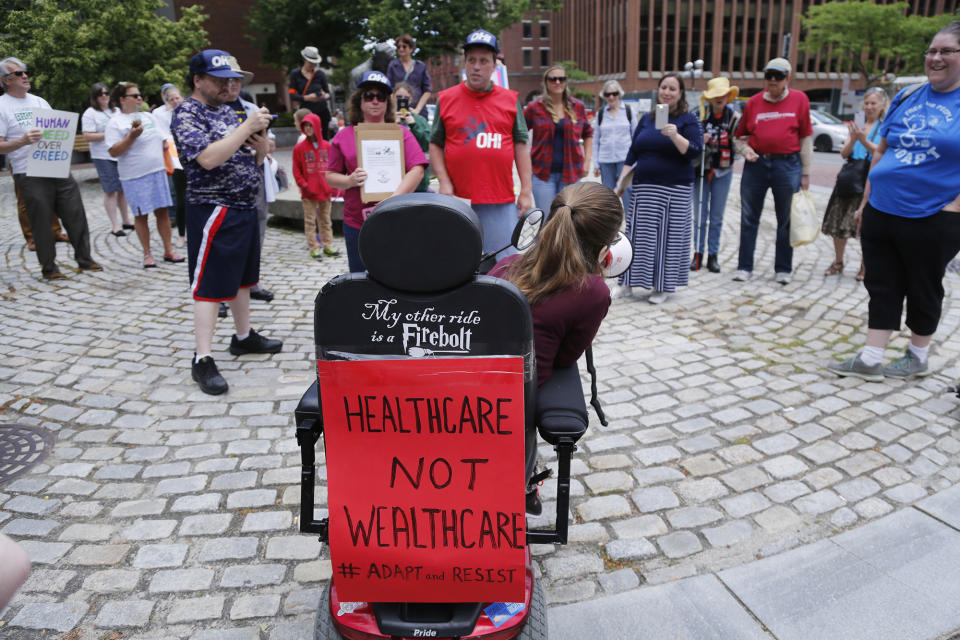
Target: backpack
column 626, row 108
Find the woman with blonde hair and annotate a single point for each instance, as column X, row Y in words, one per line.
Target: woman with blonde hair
column 558, row 123
column 839, row 220
column 612, row 135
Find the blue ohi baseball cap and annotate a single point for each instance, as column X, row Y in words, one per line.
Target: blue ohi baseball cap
column 375, row 77
column 213, row 62
column 481, row 38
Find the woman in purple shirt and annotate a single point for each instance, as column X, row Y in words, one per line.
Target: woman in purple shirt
column 413, row 72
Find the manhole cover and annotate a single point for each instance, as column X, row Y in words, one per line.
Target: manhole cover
column 21, row 448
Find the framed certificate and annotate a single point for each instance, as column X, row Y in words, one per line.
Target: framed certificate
column 380, row 153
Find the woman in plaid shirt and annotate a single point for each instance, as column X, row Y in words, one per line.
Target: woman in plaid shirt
column 558, row 123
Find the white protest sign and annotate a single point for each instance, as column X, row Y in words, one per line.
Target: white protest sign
column 50, row 157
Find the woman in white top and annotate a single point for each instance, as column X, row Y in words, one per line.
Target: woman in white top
column 94, row 123
column 136, row 141
column 164, row 115
column 612, row 136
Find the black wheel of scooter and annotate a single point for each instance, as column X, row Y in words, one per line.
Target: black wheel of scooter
column 536, row 626
column 324, row 629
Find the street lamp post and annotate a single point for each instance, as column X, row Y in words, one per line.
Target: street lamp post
column 695, row 69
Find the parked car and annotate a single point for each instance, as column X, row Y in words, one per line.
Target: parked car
column 829, row 132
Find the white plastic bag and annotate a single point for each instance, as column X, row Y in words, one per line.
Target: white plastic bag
column 804, row 226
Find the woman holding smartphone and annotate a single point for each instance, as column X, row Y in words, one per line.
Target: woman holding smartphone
column 661, row 155
column 839, row 220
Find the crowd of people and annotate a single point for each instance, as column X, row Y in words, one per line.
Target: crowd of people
column 672, row 169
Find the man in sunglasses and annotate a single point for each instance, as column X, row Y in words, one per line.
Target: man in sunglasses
column 42, row 196
column 775, row 138
column 478, row 134
column 221, row 158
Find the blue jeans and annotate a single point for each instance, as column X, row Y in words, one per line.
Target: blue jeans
column 497, row 222
column 350, row 237
column 782, row 176
column 609, row 174
column 544, row 191
column 713, row 201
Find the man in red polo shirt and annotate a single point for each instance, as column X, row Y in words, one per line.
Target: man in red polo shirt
column 775, row 138
column 478, row 134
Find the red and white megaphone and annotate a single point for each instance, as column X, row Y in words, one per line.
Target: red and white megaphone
column 619, row 257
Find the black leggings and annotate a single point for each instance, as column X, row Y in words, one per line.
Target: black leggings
column 907, row 258
column 180, row 189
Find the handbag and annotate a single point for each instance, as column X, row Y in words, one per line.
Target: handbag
column 283, row 182
column 804, row 227
column 852, row 177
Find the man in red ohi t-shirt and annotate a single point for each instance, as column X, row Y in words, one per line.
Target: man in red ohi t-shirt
column 775, row 138
column 478, row 133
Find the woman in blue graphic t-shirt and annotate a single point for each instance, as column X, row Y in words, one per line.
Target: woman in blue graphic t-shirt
column 910, row 222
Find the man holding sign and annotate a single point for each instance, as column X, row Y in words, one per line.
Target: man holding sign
column 31, row 134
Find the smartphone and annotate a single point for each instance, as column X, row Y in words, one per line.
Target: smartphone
column 663, row 116
column 859, row 119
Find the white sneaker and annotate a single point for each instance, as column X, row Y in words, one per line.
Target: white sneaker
column 742, row 275
column 622, row 291
column 657, row 297
column 783, row 278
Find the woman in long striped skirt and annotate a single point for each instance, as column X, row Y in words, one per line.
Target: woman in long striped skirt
column 659, row 219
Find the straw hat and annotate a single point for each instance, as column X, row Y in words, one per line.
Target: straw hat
column 718, row 87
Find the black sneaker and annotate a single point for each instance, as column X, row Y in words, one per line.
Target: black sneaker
column 222, row 311
column 261, row 294
column 208, row 377
column 254, row 343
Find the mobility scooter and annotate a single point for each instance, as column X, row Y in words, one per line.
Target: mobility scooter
column 427, row 401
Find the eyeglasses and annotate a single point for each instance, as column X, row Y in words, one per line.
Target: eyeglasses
column 557, row 79
column 929, row 53
column 611, row 95
column 774, row 75
column 370, row 96
column 135, row 96
column 19, row 73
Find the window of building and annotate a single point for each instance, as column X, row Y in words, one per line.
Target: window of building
column 527, row 57
column 544, row 29
column 527, row 30
column 544, row 57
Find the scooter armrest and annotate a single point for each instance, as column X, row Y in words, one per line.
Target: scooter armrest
column 561, row 411
column 309, row 407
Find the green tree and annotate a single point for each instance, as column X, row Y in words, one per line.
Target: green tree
column 342, row 29
column 869, row 39
column 70, row 44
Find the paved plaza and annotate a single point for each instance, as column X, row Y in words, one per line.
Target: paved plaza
column 164, row 513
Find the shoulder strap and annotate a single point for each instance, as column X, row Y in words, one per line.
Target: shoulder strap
column 909, row 91
column 626, row 108
column 600, row 116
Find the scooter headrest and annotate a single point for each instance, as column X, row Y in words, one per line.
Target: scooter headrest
column 421, row 242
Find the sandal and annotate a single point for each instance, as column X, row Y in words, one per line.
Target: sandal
column 172, row 257
column 862, row 273
column 834, row 269
column 148, row 262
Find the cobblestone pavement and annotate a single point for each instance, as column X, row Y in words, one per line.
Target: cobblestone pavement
column 166, row 513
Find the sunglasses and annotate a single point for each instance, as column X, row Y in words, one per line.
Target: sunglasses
column 104, row 93
column 614, row 94
column 370, row 96
column 557, row 79
column 133, row 95
column 774, row 75
column 18, row 73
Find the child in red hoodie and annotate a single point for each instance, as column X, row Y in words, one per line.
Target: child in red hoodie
column 310, row 158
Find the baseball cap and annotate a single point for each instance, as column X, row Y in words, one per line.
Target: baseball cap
column 481, row 38
column 779, row 64
column 213, row 62
column 375, row 77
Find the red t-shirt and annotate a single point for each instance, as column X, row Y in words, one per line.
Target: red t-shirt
column 776, row 127
column 478, row 144
column 564, row 324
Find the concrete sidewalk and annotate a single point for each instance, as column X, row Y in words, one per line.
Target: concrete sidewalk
column 892, row 578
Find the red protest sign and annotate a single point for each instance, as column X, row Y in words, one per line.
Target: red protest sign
column 425, row 473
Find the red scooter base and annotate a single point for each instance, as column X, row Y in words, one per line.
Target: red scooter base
column 357, row 621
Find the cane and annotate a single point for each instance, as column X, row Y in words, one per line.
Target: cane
column 697, row 214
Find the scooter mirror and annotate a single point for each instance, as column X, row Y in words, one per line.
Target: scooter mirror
column 619, row 257
column 527, row 229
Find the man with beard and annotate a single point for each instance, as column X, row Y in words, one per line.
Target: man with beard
column 221, row 159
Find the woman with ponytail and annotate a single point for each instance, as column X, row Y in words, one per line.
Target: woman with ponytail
column 560, row 274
